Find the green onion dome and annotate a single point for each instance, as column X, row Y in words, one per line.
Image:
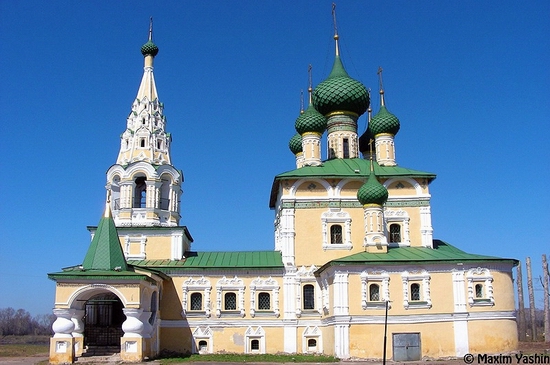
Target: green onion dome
column 372, row 192
column 295, row 144
column 364, row 140
column 311, row 121
column 149, row 48
column 384, row 122
column 339, row 92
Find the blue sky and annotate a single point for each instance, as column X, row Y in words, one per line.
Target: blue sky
column 469, row 81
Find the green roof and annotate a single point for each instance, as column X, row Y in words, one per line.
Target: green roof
column 105, row 251
column 260, row 260
column 345, row 168
column 441, row 252
column 80, row 274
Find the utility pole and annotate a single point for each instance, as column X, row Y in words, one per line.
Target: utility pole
column 545, row 285
column 521, row 305
column 531, row 300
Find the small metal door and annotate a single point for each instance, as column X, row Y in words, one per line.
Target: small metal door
column 406, row 347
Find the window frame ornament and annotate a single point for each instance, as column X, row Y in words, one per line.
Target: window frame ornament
column 306, row 276
column 401, row 217
column 254, row 334
column 382, row 279
column 422, row 278
column 230, row 285
column 484, row 277
column 336, row 216
column 270, row 286
column 203, row 333
column 202, row 286
column 312, row 333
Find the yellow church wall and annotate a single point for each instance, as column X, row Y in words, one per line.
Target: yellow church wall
column 492, row 336
column 367, row 340
column 129, row 294
column 351, row 188
column 176, row 339
column 173, row 293
column 158, row 247
column 311, row 188
column 400, row 188
column 328, row 339
column 309, row 236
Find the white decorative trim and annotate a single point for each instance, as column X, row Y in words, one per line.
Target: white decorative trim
column 480, row 276
column 312, row 333
column 230, row 285
column 307, row 276
column 203, row 333
column 401, row 217
column 129, row 241
column 254, row 334
column 382, row 279
column 197, row 285
column 336, row 216
column 423, row 278
column 269, row 284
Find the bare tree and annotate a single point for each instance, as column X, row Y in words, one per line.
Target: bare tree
column 531, row 300
column 521, row 305
column 545, row 285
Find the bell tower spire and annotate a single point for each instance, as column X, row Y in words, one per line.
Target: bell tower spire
column 145, row 138
column 143, row 186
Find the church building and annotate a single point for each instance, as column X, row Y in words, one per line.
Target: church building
column 354, row 253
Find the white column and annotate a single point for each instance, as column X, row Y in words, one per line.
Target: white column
column 385, row 149
column 287, row 236
column 460, row 316
column 341, row 298
column 133, row 326
column 76, row 318
column 63, row 325
column 426, row 228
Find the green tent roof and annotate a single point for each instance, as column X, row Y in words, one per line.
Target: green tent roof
column 345, row 168
column 105, row 251
column 441, row 252
column 256, row 260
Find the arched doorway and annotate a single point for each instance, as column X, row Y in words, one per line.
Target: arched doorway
column 103, row 320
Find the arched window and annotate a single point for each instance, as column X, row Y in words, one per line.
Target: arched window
column 374, row 293
column 479, row 291
column 230, row 302
column 264, row 301
column 196, row 301
column 395, row 233
column 203, row 345
column 415, row 292
column 255, row 345
column 336, row 234
column 309, row 296
column 312, row 343
column 140, row 193
column 142, row 142
column 346, row 147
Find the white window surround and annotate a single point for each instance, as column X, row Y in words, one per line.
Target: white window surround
column 402, row 218
column 202, row 286
column 254, row 334
column 423, row 279
column 265, row 285
column 225, row 285
column 203, row 333
column 306, row 276
column 136, row 240
column 382, row 279
column 336, row 216
column 315, row 334
column 480, row 276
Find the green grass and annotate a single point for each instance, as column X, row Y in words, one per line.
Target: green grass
column 20, row 350
column 244, row 358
